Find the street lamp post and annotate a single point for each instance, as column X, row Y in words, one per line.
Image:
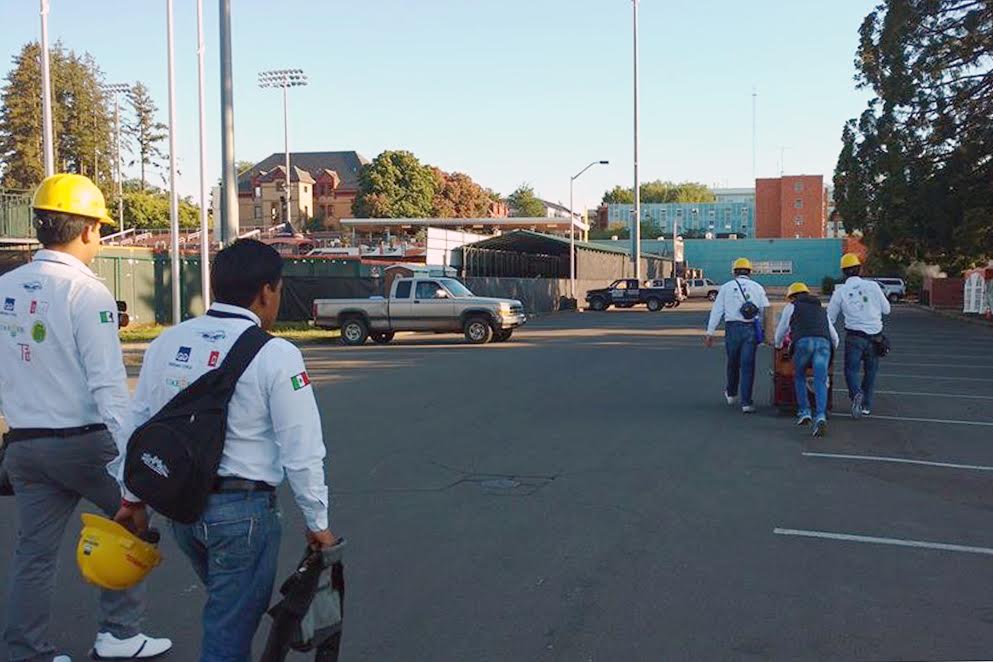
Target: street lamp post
column 572, row 230
column 636, row 217
column 204, row 230
column 228, row 223
column 117, row 89
column 177, row 308
column 46, row 96
column 285, row 79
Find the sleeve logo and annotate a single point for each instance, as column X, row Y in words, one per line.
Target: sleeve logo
column 183, row 355
column 300, row 381
column 106, row 317
column 8, row 305
column 215, row 356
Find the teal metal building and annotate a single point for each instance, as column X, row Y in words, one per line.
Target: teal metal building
column 717, row 218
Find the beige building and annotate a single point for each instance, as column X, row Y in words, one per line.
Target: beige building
column 322, row 185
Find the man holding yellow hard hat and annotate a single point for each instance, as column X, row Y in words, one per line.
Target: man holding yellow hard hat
column 63, row 391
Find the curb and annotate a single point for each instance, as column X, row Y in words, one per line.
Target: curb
column 947, row 314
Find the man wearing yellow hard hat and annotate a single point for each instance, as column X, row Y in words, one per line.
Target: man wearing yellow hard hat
column 812, row 339
column 863, row 303
column 740, row 301
column 64, row 394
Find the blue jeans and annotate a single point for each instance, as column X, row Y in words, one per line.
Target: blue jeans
column 739, row 343
column 811, row 352
column 233, row 547
column 860, row 354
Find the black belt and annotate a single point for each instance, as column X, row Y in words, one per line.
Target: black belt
column 860, row 334
column 230, row 484
column 739, row 322
column 25, row 434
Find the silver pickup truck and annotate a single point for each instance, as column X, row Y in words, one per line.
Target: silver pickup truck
column 441, row 305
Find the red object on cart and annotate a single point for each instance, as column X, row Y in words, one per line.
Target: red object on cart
column 783, row 392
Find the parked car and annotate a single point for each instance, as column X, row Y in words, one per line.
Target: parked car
column 441, row 305
column 702, row 287
column 628, row 292
column 894, row 288
column 678, row 285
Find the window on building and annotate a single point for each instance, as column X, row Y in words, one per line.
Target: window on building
column 679, row 212
column 258, row 192
column 258, row 211
column 798, row 220
column 712, row 213
column 798, row 203
column 776, row 267
column 798, row 187
column 305, row 188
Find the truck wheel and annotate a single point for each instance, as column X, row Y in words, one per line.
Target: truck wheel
column 893, row 297
column 503, row 335
column 382, row 338
column 598, row 304
column 354, row 331
column 478, row 330
column 711, row 296
column 654, row 304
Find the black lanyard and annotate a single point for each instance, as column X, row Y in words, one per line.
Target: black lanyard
column 225, row 315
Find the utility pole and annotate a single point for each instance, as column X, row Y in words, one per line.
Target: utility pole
column 754, row 134
column 285, row 79
column 177, row 309
column 229, row 184
column 572, row 230
column 636, row 216
column 46, row 96
column 117, row 89
column 204, row 229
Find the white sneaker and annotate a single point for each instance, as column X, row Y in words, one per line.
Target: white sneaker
column 61, row 658
column 138, row 647
column 731, row 399
column 748, row 409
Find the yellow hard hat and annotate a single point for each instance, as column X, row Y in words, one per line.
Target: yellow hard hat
column 850, row 260
column 112, row 557
column 797, row 288
column 72, row 194
column 741, row 263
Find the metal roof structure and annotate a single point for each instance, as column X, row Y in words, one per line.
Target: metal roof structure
column 527, row 241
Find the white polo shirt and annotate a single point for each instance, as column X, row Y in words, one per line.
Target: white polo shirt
column 60, row 357
column 729, row 301
column 863, row 304
column 274, row 427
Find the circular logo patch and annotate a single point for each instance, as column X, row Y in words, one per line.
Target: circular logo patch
column 38, row 332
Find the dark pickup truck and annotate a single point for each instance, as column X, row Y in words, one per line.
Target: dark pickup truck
column 628, row 292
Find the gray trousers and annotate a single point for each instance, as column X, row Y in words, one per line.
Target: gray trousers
column 50, row 476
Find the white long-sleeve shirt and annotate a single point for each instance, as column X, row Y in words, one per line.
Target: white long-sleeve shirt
column 784, row 326
column 60, row 356
column 274, row 426
column 729, row 301
column 863, row 304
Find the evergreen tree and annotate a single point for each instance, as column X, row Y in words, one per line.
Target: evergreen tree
column 145, row 130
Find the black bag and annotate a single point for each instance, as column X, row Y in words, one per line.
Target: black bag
column 881, row 344
column 748, row 309
column 6, row 486
column 172, row 459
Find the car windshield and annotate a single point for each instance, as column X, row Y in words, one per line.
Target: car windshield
column 456, row 288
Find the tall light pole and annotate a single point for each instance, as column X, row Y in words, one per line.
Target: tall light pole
column 285, row 79
column 117, row 89
column 229, row 178
column 204, row 230
column 46, row 96
column 572, row 230
column 754, row 134
column 636, row 216
column 177, row 309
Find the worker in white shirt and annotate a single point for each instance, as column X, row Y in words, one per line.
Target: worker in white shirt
column 863, row 304
column 65, row 396
column 273, row 430
column 740, row 302
column 988, row 291
column 813, row 339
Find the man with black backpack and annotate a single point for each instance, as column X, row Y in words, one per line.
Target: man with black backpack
column 217, row 486
column 740, row 302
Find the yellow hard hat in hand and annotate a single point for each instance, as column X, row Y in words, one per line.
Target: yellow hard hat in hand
column 72, row 194
column 112, row 557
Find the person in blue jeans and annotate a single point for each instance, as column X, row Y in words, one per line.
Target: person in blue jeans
column 740, row 332
column 813, row 340
column 273, row 432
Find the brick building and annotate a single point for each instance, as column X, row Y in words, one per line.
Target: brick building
column 322, row 185
column 793, row 207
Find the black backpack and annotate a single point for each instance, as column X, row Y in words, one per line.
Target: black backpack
column 172, row 459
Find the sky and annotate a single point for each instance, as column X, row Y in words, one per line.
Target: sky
column 508, row 91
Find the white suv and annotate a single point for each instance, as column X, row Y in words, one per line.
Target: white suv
column 894, row 288
column 702, row 287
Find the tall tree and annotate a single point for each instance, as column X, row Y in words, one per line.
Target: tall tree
column 914, row 171
column 395, row 185
column 81, row 122
column 660, row 191
column 523, row 202
column 457, row 196
column 145, row 130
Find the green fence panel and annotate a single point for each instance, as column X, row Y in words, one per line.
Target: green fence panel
column 15, row 215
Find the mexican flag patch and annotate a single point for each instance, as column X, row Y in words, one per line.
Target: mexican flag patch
column 300, row 381
column 106, row 317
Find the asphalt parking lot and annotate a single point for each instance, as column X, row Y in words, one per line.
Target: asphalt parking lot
column 583, row 493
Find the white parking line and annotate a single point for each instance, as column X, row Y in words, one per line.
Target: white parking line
column 968, row 366
column 965, row 396
column 883, row 541
column 913, row 419
column 936, row 377
column 899, row 460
